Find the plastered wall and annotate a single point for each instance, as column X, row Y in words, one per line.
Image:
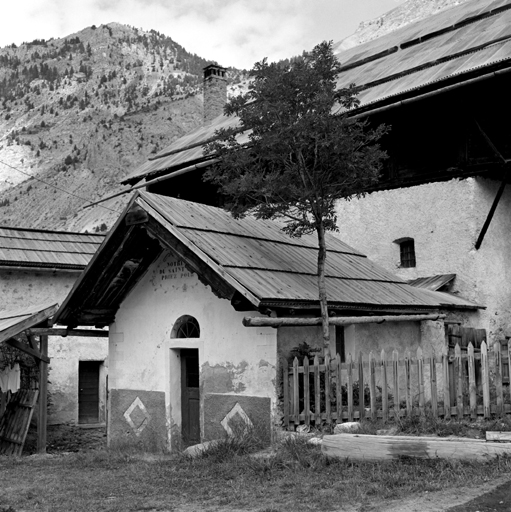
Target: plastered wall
column 19, row 288
column 444, row 219
column 234, row 360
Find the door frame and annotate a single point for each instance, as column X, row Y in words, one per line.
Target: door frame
column 173, row 388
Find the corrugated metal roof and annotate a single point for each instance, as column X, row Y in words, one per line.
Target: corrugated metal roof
column 274, row 267
column 432, row 283
column 430, row 51
column 14, row 321
column 46, row 249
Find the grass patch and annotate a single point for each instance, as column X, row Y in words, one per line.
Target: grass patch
column 226, row 477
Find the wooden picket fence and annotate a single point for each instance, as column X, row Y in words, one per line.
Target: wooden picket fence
column 467, row 383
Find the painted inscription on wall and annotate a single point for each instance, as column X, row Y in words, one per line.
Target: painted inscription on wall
column 172, row 268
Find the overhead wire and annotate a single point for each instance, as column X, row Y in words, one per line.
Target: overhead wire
column 55, row 187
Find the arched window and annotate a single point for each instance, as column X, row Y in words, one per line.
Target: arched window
column 186, row 327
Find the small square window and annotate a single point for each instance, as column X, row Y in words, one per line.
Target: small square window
column 407, row 252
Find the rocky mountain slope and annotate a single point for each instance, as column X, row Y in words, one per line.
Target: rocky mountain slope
column 81, row 112
column 405, row 13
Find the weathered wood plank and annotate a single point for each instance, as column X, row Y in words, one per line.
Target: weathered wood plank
column 498, row 436
column 372, row 384
column 42, row 419
column 384, row 388
column 485, row 377
column 498, row 378
column 408, row 384
column 459, row 387
column 285, row 385
column 306, row 391
column 395, row 378
column 420, row 380
column 472, row 386
column 338, row 387
column 376, row 448
column 350, row 388
column 28, row 350
column 317, row 393
column 84, row 333
column 447, row 393
column 339, row 320
column 296, row 392
column 433, row 384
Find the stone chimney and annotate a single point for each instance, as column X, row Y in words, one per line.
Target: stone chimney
column 215, row 92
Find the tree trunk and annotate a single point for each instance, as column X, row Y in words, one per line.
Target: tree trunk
column 323, row 301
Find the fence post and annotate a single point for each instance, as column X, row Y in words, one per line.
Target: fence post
column 408, row 385
column 327, row 390
column 372, row 384
column 350, row 388
column 459, row 387
column 498, row 378
column 361, row 389
column 306, row 391
column 447, row 392
column 485, row 377
column 433, row 383
column 317, row 393
column 395, row 378
column 338, row 387
column 472, row 389
column 285, row 384
column 296, row 392
column 509, row 363
column 384, row 390
column 420, row 380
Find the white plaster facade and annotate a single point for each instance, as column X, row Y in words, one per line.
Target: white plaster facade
column 444, row 219
column 233, row 359
column 27, row 287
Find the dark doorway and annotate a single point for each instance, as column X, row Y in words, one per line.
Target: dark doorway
column 88, row 391
column 190, row 396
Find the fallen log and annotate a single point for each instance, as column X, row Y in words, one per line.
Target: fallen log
column 377, row 448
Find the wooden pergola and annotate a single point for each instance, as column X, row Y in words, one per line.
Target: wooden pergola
column 35, row 323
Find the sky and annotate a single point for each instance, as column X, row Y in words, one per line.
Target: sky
column 232, row 32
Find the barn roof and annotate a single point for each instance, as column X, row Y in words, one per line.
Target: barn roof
column 250, row 262
column 36, row 248
column 465, row 42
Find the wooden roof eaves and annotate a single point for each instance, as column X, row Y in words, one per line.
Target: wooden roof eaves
column 64, row 313
column 31, row 321
column 215, row 267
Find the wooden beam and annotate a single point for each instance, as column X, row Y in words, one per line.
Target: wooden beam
column 499, row 436
column 30, row 321
column 377, row 448
column 50, row 331
column 28, row 350
column 42, row 419
column 489, row 217
column 337, row 320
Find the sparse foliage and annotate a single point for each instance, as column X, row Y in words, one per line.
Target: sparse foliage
column 303, row 153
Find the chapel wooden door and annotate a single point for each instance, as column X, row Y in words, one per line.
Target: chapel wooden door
column 88, row 391
column 190, row 396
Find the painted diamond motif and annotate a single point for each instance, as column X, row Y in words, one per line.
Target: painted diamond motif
column 236, row 418
column 137, row 416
